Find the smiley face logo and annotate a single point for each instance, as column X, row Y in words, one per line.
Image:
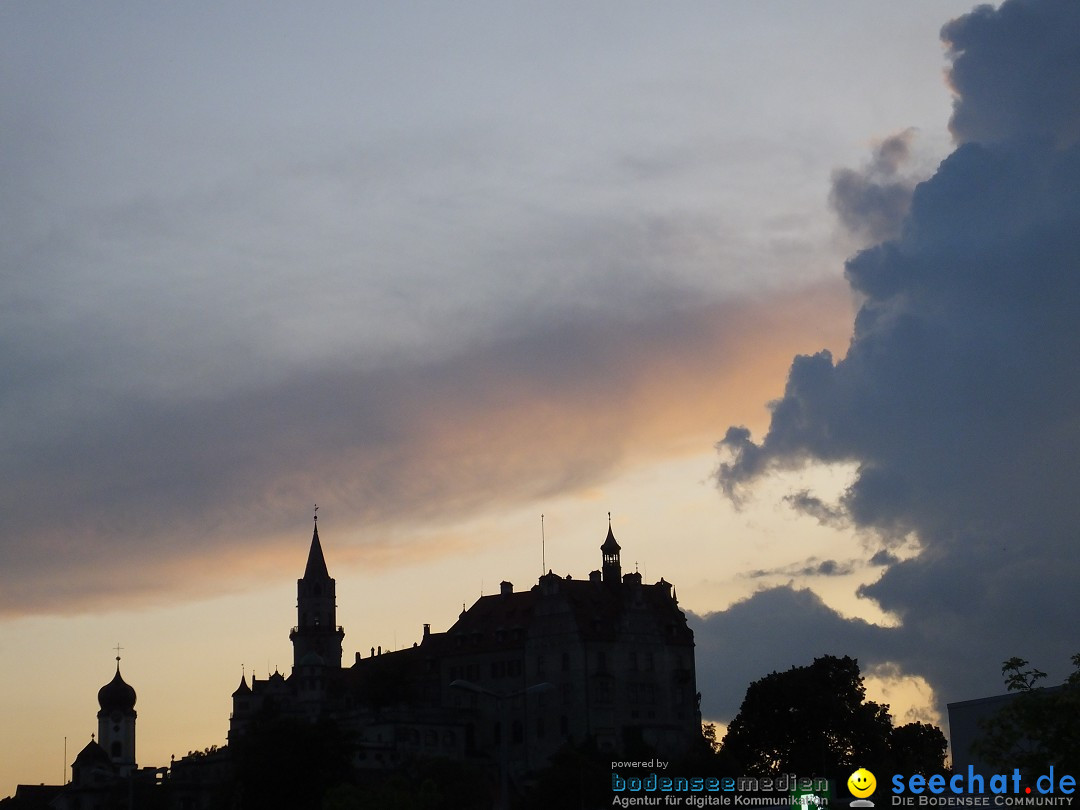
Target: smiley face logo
column 861, row 783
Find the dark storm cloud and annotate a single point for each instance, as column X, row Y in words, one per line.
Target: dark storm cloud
column 1014, row 71
column 773, row 630
column 959, row 397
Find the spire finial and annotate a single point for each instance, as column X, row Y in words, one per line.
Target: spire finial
column 609, row 520
column 118, row 649
column 316, row 513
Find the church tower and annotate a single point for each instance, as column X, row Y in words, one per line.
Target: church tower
column 612, row 570
column 316, row 637
column 116, row 722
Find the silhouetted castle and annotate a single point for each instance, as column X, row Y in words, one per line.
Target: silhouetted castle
column 609, row 658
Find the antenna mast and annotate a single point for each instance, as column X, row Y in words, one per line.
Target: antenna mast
column 543, row 547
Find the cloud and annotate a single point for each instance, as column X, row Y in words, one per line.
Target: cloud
column 884, row 557
column 806, row 503
column 812, row 567
column 122, row 502
column 959, row 396
column 769, row 631
column 1013, row 72
column 872, row 203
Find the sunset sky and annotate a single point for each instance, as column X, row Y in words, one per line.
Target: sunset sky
column 443, row 268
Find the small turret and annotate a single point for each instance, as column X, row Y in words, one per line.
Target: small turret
column 612, row 568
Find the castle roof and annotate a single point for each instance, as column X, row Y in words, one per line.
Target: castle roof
column 92, row 754
column 610, row 545
column 595, row 611
column 243, row 688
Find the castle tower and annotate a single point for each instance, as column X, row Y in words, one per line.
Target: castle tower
column 316, row 636
column 116, row 722
column 612, row 568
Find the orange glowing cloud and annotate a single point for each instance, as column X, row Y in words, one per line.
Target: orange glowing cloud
column 540, row 414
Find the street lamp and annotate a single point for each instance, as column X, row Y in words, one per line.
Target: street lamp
column 501, row 699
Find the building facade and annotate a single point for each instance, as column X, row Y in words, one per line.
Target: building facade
column 519, row 675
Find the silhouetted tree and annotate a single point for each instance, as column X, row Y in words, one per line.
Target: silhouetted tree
column 917, row 748
column 815, row 721
column 1039, row 727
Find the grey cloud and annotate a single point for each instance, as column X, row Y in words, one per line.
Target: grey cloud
column 808, row 504
column 884, row 557
column 958, row 396
column 871, row 203
column 812, row 567
column 147, row 485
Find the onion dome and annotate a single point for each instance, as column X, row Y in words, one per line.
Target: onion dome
column 116, row 695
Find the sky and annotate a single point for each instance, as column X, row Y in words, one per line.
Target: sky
column 787, row 288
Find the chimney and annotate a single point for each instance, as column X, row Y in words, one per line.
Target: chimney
column 506, row 588
column 427, row 630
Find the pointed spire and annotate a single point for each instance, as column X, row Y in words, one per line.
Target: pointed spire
column 316, row 562
column 612, row 570
column 610, row 546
